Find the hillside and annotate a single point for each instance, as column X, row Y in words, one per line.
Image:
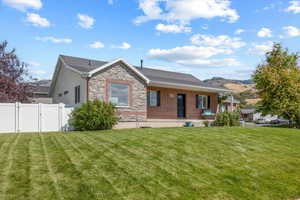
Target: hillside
column 246, row 88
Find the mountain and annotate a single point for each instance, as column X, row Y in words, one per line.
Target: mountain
column 245, row 88
column 219, row 81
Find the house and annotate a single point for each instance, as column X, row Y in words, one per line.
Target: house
column 139, row 93
column 230, row 104
column 40, row 91
column 251, row 115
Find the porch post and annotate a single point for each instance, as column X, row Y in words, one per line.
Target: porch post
column 231, row 103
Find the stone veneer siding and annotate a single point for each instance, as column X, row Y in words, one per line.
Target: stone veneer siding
column 118, row 73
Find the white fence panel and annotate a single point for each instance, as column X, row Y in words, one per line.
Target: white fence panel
column 29, row 118
column 17, row 117
column 8, row 118
column 50, row 117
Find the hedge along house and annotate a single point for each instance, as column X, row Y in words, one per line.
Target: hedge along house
column 140, row 94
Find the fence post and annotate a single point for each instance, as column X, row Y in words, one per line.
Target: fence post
column 40, row 117
column 61, row 107
column 17, row 114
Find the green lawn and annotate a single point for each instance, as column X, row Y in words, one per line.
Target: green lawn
column 171, row 163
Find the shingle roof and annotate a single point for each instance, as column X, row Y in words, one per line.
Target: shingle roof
column 154, row 75
column 248, row 111
column 228, row 100
column 82, row 64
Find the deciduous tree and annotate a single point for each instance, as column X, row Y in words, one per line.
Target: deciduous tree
column 14, row 77
column 278, row 84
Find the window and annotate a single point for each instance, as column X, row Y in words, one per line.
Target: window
column 154, row 98
column 202, row 101
column 77, row 94
column 119, row 94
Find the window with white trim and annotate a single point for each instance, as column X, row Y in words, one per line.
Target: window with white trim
column 154, row 98
column 119, row 94
column 201, row 101
column 77, row 94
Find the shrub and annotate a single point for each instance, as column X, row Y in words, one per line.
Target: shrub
column 206, row 123
column 227, row 119
column 94, row 115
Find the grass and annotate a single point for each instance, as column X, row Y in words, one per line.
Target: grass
column 177, row 163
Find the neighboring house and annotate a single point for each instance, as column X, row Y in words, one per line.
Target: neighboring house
column 250, row 114
column 139, row 93
column 40, row 91
column 230, row 104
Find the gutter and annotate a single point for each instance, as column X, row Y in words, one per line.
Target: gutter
column 186, row 86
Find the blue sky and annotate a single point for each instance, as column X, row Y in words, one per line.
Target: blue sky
column 207, row 38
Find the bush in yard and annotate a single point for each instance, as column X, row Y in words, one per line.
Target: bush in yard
column 206, row 123
column 227, row 119
column 94, row 115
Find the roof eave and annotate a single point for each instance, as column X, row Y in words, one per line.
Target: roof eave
column 190, row 87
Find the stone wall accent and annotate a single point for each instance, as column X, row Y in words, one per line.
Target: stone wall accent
column 119, row 73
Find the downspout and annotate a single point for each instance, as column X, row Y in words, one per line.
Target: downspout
column 87, row 88
column 87, row 78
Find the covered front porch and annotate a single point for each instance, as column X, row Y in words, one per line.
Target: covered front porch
column 181, row 104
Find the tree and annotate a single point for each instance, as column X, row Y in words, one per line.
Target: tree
column 13, row 77
column 278, row 84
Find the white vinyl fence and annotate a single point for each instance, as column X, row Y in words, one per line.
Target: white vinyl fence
column 17, row 117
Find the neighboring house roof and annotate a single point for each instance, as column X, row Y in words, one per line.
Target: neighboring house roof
column 228, row 100
column 248, row 111
column 152, row 76
column 40, row 87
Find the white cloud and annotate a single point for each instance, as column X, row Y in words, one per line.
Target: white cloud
column 96, row 45
column 262, row 48
column 173, row 28
column 294, row 7
column 37, row 20
column 291, row 31
column 239, row 31
column 186, row 52
column 184, row 11
column 33, row 64
column 221, row 41
column 194, row 56
column 54, row 40
column 85, row 21
column 269, row 7
column 39, row 72
column 24, row 4
column 227, row 62
column 124, row 46
column 110, row 2
column 204, row 26
column 264, row 32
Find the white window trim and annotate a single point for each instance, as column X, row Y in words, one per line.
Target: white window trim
column 203, row 106
column 150, row 98
column 127, row 106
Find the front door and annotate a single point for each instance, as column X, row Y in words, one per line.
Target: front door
column 181, row 105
